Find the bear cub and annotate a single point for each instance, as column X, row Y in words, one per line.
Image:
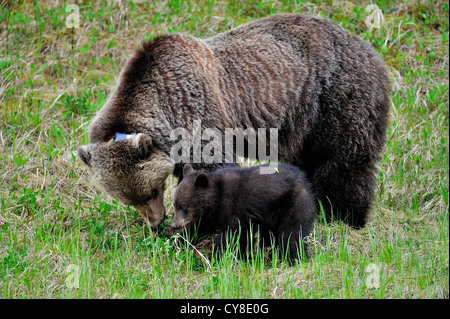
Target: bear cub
column 234, row 200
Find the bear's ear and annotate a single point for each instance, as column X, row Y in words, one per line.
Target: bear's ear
column 187, row 169
column 84, row 155
column 143, row 143
column 201, row 180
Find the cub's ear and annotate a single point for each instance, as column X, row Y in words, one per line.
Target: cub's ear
column 201, row 180
column 187, row 169
column 84, row 155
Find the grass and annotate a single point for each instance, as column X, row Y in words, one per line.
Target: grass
column 58, row 232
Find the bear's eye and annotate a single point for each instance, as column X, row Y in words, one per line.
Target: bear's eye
column 152, row 195
column 181, row 208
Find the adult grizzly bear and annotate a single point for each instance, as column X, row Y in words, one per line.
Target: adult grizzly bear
column 324, row 89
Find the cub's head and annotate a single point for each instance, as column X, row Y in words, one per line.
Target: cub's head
column 132, row 171
column 193, row 198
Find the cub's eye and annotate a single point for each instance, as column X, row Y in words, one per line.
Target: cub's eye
column 178, row 206
column 181, row 208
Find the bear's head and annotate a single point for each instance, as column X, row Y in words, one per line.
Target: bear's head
column 193, row 198
column 132, row 171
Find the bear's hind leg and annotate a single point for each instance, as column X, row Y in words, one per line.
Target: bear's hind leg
column 345, row 192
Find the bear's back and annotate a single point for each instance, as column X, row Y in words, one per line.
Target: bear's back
column 245, row 193
column 249, row 184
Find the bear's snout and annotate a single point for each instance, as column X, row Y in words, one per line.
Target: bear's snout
column 153, row 217
column 178, row 222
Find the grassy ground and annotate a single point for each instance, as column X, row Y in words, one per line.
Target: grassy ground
column 57, row 232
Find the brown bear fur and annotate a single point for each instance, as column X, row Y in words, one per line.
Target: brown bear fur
column 235, row 200
column 133, row 172
column 324, row 89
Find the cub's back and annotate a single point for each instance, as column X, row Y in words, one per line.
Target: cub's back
column 250, row 182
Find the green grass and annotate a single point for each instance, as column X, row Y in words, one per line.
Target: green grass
column 54, row 224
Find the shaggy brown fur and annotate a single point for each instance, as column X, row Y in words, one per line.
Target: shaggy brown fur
column 133, row 172
column 326, row 91
column 236, row 200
